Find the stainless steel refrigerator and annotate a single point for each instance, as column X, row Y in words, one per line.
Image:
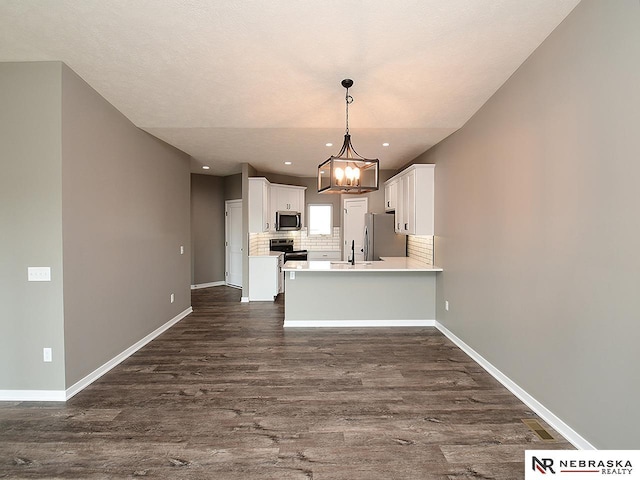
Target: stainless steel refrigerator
column 380, row 239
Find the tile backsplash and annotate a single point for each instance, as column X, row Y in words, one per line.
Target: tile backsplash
column 321, row 242
column 259, row 242
column 420, row 248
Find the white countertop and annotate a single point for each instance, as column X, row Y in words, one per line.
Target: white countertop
column 386, row 264
column 269, row 254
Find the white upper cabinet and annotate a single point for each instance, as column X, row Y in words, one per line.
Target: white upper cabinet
column 287, row 198
column 409, row 208
column 414, row 194
column 266, row 198
column 259, row 220
column 391, row 195
column 399, row 210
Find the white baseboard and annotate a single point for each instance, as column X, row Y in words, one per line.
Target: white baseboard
column 100, row 371
column 63, row 395
column 244, row 299
column 32, row 396
column 357, row 323
column 198, row 286
column 555, row 422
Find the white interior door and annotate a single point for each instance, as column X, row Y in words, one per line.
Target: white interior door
column 353, row 224
column 233, row 242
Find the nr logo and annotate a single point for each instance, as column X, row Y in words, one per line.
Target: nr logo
column 543, row 465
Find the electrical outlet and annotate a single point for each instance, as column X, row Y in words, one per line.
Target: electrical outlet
column 292, row 275
column 173, row 298
column 446, row 305
column 47, row 355
column 181, row 249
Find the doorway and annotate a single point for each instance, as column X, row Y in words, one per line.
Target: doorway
column 233, row 242
column 353, row 224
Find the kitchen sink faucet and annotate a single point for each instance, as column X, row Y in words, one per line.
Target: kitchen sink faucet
column 353, row 252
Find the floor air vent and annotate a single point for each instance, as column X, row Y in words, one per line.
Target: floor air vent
column 538, row 429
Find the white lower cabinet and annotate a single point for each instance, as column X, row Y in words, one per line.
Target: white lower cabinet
column 265, row 277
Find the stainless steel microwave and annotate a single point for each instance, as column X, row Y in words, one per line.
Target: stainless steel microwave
column 288, row 221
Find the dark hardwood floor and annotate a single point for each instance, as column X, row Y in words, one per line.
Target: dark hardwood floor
column 228, row 394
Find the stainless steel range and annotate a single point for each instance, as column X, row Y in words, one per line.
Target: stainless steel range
column 286, row 245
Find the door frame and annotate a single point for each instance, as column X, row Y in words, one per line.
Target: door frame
column 227, row 204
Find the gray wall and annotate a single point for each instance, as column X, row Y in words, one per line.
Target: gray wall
column 233, row 187
column 312, row 196
column 376, row 199
column 280, row 178
column 125, row 198
column 537, row 224
column 30, row 226
column 101, row 202
column 207, row 228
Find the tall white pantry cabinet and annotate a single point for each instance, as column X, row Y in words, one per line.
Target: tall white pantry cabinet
column 259, row 220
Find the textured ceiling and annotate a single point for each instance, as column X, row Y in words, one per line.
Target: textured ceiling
column 258, row 81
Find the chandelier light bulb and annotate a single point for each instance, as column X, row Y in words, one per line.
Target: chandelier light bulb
column 348, row 173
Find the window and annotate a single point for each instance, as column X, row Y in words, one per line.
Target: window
column 320, row 219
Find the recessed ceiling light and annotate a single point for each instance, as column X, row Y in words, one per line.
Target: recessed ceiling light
column 287, row 163
column 329, row 144
column 205, row 167
column 385, row 144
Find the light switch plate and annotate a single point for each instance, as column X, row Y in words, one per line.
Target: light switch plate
column 39, row 274
column 292, row 275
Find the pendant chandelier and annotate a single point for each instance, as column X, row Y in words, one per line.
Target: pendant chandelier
column 348, row 172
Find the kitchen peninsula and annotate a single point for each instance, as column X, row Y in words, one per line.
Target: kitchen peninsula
column 395, row 291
